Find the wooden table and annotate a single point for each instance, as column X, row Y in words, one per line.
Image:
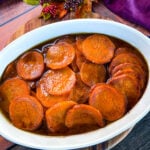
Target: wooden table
column 10, row 28
column 139, row 138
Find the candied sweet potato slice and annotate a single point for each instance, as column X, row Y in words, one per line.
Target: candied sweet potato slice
column 60, row 55
column 79, row 40
column 98, row 49
column 83, row 114
column 126, row 58
column 68, row 39
column 139, row 77
column 10, row 89
column 80, row 91
column 55, row 116
column 128, row 86
column 10, row 71
column 59, row 82
column 110, row 102
column 74, row 65
column 30, row 65
column 122, row 50
column 130, row 67
column 137, row 68
column 80, row 58
column 46, row 99
column 26, row 112
column 135, row 52
column 98, row 73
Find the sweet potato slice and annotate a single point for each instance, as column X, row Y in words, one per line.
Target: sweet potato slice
column 110, row 102
column 79, row 41
column 30, row 65
column 129, row 50
column 80, row 58
column 98, row 49
column 59, row 82
column 98, row 73
column 129, row 67
column 80, row 91
column 10, row 89
column 128, row 86
column 46, row 99
column 121, row 50
column 137, row 68
column 26, row 112
column 139, row 77
column 132, row 50
column 73, row 64
column 60, row 55
column 126, row 58
column 82, row 115
column 10, row 71
column 67, row 39
column 55, row 116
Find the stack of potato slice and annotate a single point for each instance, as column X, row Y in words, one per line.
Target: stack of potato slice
column 128, row 74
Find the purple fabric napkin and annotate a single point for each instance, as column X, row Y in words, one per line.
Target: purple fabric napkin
column 136, row 11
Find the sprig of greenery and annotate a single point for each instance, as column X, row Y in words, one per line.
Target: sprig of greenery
column 59, row 8
column 32, row 2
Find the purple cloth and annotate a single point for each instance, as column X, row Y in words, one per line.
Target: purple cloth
column 136, row 11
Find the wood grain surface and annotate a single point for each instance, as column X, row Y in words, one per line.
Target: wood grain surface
column 99, row 8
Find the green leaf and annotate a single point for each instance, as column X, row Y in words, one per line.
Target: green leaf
column 45, row 16
column 32, row 2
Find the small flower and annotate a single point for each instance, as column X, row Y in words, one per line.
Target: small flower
column 49, row 11
column 72, row 5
